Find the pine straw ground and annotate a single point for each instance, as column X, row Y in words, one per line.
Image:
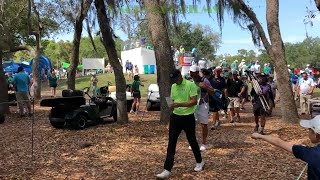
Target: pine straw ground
column 137, row 150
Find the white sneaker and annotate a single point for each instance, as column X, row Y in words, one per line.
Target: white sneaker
column 164, row 175
column 131, row 111
column 190, row 148
column 203, row 147
column 199, row 166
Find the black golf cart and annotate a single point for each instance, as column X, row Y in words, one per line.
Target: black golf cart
column 71, row 109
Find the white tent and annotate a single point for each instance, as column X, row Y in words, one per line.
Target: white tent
column 144, row 58
column 92, row 64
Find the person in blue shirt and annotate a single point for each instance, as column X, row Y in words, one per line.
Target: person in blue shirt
column 22, row 84
column 310, row 155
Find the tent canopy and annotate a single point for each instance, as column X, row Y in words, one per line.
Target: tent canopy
column 13, row 67
column 44, row 63
column 67, row 65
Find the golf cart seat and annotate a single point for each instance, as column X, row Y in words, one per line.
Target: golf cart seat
column 103, row 102
column 70, row 99
column 64, row 102
column 72, row 93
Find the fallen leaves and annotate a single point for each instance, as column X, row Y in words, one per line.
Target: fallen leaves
column 137, row 150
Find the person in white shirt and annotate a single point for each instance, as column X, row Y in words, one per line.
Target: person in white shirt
column 308, row 69
column 289, row 70
column 135, row 70
column 305, row 89
column 243, row 62
column 257, row 68
column 177, row 56
column 202, row 64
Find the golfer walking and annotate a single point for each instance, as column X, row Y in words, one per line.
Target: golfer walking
column 184, row 95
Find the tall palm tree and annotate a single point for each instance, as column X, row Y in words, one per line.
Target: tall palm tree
column 245, row 17
column 78, row 25
column 109, row 44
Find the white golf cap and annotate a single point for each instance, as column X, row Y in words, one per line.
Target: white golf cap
column 194, row 68
column 313, row 124
column 243, row 60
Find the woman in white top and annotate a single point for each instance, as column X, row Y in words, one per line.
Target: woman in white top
column 135, row 70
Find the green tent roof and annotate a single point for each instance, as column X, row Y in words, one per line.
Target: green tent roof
column 67, row 65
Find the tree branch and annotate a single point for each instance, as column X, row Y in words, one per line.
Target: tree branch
column 19, row 48
column 29, row 17
column 248, row 11
column 90, row 36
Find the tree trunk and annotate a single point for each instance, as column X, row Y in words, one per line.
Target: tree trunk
column 76, row 43
column 162, row 47
column 287, row 103
column 35, row 69
column 3, row 89
column 109, row 44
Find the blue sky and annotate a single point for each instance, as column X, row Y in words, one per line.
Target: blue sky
column 292, row 13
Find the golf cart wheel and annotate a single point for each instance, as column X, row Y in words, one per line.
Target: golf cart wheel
column 79, row 122
column 149, row 106
column 2, row 119
column 58, row 125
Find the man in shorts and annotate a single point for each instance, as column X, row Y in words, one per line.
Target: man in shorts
column 234, row 90
column 202, row 111
column 258, row 109
column 217, row 82
column 22, row 83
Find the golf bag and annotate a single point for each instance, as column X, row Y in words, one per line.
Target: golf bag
column 257, row 89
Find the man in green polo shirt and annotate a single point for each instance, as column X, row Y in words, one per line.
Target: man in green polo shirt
column 184, row 95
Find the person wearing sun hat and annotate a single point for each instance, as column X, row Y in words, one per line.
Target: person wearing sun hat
column 243, row 62
column 234, row 65
column 308, row 154
column 305, row 90
column 184, row 95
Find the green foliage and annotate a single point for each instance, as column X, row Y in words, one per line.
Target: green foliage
column 189, row 36
column 305, row 52
column 249, row 56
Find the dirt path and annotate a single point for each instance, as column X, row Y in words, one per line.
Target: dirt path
column 137, row 150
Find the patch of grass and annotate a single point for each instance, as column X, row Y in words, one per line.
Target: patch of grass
column 82, row 82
